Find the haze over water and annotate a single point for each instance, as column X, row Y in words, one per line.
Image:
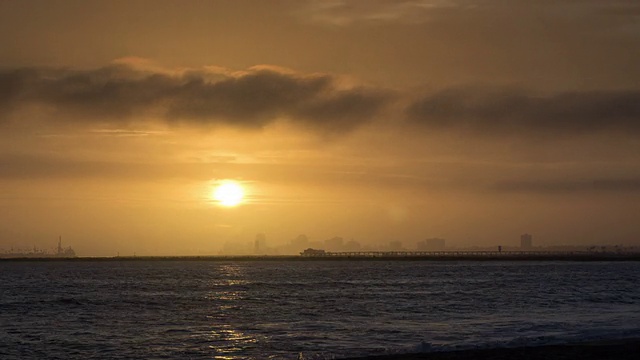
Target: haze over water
column 278, row 309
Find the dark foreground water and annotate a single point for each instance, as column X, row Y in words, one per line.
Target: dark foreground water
column 322, row 309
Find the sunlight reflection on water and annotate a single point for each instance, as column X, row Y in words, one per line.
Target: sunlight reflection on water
column 277, row 310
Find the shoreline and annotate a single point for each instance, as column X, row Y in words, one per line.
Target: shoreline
column 619, row 349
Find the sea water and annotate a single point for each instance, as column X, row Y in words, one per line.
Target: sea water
column 320, row 309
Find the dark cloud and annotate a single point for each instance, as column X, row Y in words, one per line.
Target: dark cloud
column 352, row 108
column 121, row 94
column 249, row 99
column 253, row 99
column 518, row 112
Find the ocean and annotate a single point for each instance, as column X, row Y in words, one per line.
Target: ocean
column 312, row 309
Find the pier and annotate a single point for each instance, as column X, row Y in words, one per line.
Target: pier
column 473, row 255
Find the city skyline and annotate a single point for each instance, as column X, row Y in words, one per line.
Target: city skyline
column 380, row 121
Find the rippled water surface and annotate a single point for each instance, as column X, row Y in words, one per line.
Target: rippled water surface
column 322, row 309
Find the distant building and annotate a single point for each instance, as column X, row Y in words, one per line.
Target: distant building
column 432, row 244
column 395, row 245
column 260, row 245
column 67, row 252
column 334, row 244
column 352, row 245
column 526, row 241
column 300, row 242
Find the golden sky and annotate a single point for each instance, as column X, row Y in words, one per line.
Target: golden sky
column 473, row 121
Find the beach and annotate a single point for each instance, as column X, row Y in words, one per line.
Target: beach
column 626, row 349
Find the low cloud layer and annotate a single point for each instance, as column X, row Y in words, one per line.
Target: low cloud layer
column 249, row 99
column 518, row 112
column 125, row 94
column 347, row 12
column 350, row 12
column 566, row 187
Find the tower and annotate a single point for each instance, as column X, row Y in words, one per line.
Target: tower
column 260, row 245
column 526, row 241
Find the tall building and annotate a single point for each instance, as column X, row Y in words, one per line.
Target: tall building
column 260, row 245
column 334, row 244
column 432, row 244
column 300, row 243
column 352, row 245
column 526, row 241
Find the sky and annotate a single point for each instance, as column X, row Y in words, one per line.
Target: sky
column 378, row 121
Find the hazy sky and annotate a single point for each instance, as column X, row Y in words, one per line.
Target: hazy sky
column 475, row 121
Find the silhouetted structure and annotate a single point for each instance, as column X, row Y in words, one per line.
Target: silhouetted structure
column 60, row 252
column 473, row 255
column 260, row 245
column 432, row 244
column 334, row 244
column 68, row 252
column 300, row 242
column 59, row 245
column 352, row 245
column 526, row 241
column 313, row 252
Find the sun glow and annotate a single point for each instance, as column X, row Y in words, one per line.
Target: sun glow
column 228, row 193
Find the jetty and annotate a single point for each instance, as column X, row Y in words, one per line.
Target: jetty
column 473, row 255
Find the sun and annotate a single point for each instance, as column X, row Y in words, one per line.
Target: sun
column 228, row 193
